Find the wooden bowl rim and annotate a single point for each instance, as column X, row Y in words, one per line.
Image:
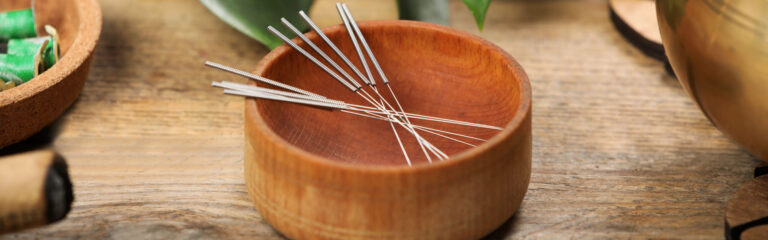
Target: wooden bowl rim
column 512, row 127
column 88, row 33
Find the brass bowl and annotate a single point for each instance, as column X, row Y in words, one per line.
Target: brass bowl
column 719, row 51
column 26, row 109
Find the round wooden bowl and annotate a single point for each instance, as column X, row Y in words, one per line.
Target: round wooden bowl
column 26, row 109
column 320, row 174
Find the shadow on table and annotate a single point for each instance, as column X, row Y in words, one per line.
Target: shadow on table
column 40, row 140
column 504, row 230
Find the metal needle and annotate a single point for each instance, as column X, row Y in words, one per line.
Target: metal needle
column 320, row 52
column 248, row 88
column 259, row 78
column 354, row 42
column 313, row 59
column 353, row 30
column 333, row 46
column 360, row 92
column 355, row 107
column 242, row 87
column 239, row 89
column 380, row 110
column 284, row 99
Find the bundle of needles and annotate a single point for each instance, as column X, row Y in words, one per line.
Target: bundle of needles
column 378, row 108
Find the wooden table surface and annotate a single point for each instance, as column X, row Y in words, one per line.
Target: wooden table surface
column 619, row 150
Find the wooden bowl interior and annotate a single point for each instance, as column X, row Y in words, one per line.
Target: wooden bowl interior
column 61, row 14
column 432, row 70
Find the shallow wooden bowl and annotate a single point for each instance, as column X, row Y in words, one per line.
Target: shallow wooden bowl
column 320, row 174
column 26, row 109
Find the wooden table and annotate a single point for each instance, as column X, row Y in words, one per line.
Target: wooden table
column 620, row 151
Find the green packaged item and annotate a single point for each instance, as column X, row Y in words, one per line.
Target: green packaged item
column 30, row 46
column 25, row 67
column 10, row 77
column 8, row 81
column 17, row 24
column 7, row 85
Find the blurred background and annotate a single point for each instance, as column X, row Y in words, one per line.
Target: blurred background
column 155, row 153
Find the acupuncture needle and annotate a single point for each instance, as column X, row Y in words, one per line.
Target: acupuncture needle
column 284, row 99
column 231, row 85
column 337, row 67
column 338, row 52
column 379, row 110
column 353, row 29
column 355, row 44
column 333, row 46
column 335, row 49
column 436, row 119
column 367, row 48
column 259, row 78
column 354, row 68
column 321, row 98
column 348, row 25
column 353, row 86
column 417, row 126
column 322, row 54
column 247, row 88
column 233, row 90
column 355, row 107
column 312, row 59
column 355, row 89
column 325, row 68
column 385, row 119
column 319, row 51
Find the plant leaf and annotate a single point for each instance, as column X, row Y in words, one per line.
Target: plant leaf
column 252, row 17
column 434, row 11
column 478, row 9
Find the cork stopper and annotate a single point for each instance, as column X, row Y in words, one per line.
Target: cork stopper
column 747, row 213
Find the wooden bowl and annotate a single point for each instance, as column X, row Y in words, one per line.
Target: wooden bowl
column 320, row 174
column 26, row 109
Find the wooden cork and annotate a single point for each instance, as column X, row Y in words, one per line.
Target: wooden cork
column 35, row 188
column 636, row 21
column 747, row 213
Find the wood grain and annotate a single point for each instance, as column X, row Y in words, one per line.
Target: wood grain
column 619, row 150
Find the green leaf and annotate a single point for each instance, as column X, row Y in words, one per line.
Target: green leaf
column 252, row 17
column 434, row 11
column 478, row 9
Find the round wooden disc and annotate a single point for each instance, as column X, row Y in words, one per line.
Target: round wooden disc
column 636, row 20
column 747, row 213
